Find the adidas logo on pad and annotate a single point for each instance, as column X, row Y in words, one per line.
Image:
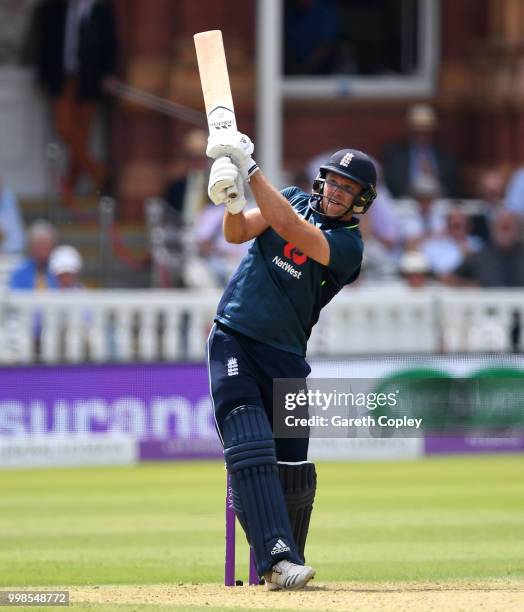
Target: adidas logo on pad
column 280, row 547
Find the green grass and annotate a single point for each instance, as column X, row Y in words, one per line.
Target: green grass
column 442, row 518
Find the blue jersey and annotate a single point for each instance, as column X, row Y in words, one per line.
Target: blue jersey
column 277, row 292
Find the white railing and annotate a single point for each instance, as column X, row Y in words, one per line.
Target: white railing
column 476, row 321
column 153, row 325
column 376, row 320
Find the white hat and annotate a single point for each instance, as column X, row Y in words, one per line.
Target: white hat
column 425, row 185
column 414, row 262
column 65, row 259
column 421, row 117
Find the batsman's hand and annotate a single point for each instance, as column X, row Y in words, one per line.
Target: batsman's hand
column 226, row 185
column 235, row 145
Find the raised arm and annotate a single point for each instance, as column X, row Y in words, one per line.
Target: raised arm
column 276, row 210
column 226, row 187
column 244, row 226
column 279, row 214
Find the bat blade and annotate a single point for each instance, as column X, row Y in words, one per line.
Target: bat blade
column 214, row 77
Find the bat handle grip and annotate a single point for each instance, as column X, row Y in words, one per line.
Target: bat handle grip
column 232, row 193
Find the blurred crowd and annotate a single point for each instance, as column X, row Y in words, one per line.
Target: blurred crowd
column 422, row 231
column 419, row 232
column 427, row 226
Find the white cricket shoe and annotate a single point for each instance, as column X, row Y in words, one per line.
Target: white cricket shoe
column 288, row 576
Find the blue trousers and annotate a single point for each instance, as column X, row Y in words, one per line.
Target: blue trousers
column 241, row 372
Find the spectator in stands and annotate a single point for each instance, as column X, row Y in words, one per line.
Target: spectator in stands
column 76, row 53
column 491, row 189
column 186, row 190
column 419, row 156
column 378, row 264
column 311, row 31
column 12, row 233
column 381, row 231
column 219, row 257
column 491, row 195
column 65, row 264
column 425, row 219
column 382, row 215
column 446, row 251
column 414, row 268
column 514, row 196
column 499, row 264
column 33, row 272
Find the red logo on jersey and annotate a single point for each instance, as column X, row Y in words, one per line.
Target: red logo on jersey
column 291, row 252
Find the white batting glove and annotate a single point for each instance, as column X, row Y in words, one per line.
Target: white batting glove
column 226, row 185
column 235, row 145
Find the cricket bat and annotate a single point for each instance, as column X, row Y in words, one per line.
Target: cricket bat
column 216, row 89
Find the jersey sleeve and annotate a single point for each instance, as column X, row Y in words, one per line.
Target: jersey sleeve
column 345, row 250
column 296, row 197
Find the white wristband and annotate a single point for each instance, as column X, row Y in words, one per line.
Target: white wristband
column 249, row 167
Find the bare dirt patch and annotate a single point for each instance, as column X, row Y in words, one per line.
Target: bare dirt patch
column 492, row 595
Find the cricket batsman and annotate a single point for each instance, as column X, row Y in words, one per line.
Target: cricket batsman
column 306, row 248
